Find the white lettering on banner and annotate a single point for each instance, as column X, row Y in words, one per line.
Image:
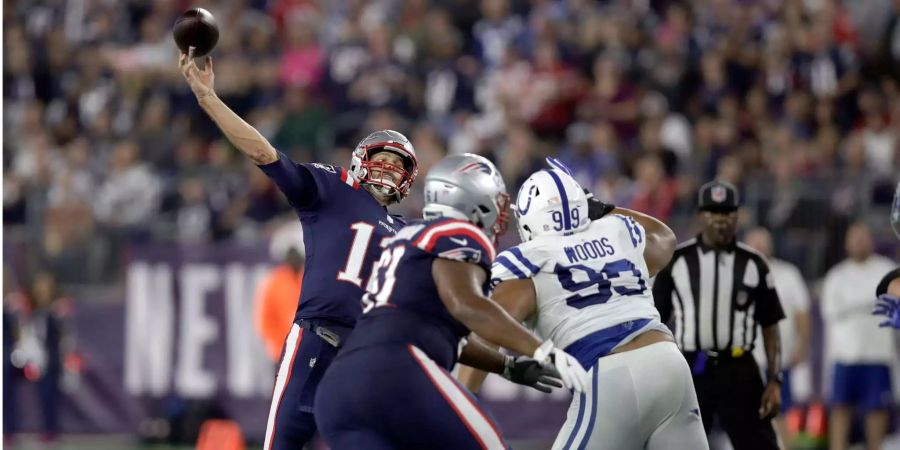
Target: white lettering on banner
column 196, row 330
column 149, row 329
column 250, row 371
column 152, row 356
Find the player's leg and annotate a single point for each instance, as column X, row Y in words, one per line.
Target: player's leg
column 673, row 411
column 359, row 439
column 606, row 416
column 742, row 390
column 348, row 400
column 877, row 398
column 843, row 396
column 291, row 424
column 438, row 412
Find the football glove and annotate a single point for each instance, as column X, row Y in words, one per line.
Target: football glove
column 888, row 306
column 570, row 371
column 528, row 372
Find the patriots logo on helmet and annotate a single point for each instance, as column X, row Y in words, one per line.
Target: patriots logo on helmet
column 718, row 194
column 477, row 166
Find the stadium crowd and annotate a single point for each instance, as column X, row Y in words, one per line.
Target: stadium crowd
column 793, row 101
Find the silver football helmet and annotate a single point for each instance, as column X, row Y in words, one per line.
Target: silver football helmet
column 361, row 164
column 467, row 187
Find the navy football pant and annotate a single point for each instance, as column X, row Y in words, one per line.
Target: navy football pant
column 395, row 397
column 303, row 362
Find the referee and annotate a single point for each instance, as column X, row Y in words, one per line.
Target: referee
column 717, row 294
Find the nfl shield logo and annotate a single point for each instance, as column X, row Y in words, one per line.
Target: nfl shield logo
column 718, row 194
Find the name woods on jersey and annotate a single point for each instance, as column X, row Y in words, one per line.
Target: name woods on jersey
column 592, row 295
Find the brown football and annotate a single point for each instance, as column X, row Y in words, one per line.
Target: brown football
column 197, row 28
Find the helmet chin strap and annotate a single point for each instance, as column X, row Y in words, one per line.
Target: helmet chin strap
column 384, row 194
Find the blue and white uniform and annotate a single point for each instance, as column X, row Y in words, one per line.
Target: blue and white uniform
column 593, row 294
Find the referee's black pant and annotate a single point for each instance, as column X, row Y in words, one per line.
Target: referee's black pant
column 731, row 388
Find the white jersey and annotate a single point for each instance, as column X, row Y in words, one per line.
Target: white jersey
column 586, row 282
column 593, row 294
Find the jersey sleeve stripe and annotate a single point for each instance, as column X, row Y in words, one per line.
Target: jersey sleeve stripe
column 429, row 237
column 347, row 179
column 525, row 262
column 510, row 267
column 637, row 229
column 624, row 220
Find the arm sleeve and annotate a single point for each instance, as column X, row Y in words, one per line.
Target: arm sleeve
column 457, row 241
column 634, row 231
column 513, row 264
column 886, row 281
column 663, row 286
column 598, row 209
column 298, row 182
column 768, row 306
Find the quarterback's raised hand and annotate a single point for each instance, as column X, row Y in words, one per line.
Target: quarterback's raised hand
column 888, row 306
column 201, row 81
column 570, row 371
column 530, row 372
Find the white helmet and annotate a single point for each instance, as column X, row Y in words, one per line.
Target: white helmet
column 551, row 202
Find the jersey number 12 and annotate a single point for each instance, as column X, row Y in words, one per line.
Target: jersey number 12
column 362, row 235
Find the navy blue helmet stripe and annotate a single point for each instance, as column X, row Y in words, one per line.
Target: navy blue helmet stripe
column 567, row 221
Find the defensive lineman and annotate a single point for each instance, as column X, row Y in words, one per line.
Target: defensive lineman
column 585, row 285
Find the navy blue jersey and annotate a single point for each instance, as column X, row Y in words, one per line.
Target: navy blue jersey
column 343, row 226
column 402, row 304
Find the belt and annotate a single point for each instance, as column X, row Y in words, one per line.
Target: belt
column 699, row 360
column 333, row 338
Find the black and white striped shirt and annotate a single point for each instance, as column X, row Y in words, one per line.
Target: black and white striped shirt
column 714, row 299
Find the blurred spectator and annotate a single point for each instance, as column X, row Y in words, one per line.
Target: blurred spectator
column 496, row 32
column 130, row 196
column 654, row 193
column 279, row 292
column 612, row 98
column 859, row 352
column 794, row 329
column 40, row 346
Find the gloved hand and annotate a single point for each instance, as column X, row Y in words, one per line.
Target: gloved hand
column 570, row 371
column 596, row 208
column 528, row 372
column 888, row 306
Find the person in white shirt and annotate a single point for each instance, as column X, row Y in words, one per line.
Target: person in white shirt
column 794, row 330
column 861, row 353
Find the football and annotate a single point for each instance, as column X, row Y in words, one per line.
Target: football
column 197, row 28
